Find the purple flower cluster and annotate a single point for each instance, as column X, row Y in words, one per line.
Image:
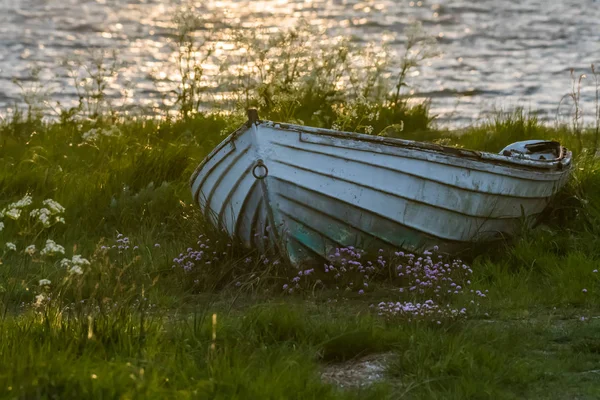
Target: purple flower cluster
column 348, row 270
column 296, row 281
column 418, row 311
column 122, row 245
column 122, row 242
column 425, row 275
column 193, row 258
column 427, row 283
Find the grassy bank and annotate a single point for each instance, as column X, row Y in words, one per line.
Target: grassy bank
column 124, row 323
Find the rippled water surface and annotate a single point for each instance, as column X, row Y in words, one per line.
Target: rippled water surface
column 494, row 53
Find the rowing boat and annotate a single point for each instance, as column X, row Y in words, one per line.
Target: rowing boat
column 306, row 191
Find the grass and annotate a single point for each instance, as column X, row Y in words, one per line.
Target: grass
column 131, row 327
column 127, row 325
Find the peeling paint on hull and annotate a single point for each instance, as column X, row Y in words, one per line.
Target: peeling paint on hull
column 307, row 190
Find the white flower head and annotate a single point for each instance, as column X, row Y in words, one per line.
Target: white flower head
column 52, row 248
column 13, row 213
column 74, row 264
column 78, row 260
column 112, row 131
column 43, row 215
column 1, row 226
column 24, row 202
column 45, row 282
column 95, row 133
column 39, row 300
column 54, row 206
column 30, row 249
column 11, row 246
column 92, row 134
column 75, row 270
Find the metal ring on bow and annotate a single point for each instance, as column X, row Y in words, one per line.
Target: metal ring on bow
column 260, row 164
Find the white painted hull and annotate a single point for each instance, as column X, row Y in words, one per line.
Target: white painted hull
column 326, row 189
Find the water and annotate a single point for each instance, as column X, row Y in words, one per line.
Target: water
column 494, row 53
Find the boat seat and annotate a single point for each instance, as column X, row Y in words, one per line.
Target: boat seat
column 533, row 149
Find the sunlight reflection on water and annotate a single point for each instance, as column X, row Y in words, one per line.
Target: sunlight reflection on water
column 494, row 53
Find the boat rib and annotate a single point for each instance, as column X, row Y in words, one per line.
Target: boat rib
column 351, row 213
column 401, row 196
column 384, row 167
column 221, row 184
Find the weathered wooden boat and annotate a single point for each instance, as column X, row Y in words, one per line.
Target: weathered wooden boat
column 305, row 191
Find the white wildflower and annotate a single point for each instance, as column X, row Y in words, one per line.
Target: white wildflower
column 39, row 300
column 52, row 248
column 95, row 133
column 30, row 249
column 78, row 260
column 45, row 282
column 368, row 129
column 43, row 215
column 14, row 209
column 24, row 202
column 75, row 260
column 74, row 264
column 92, row 134
column 54, row 206
column 1, row 226
column 75, row 270
column 112, row 131
column 11, row 246
column 13, row 213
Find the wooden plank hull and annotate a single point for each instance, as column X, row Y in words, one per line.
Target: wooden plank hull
column 307, row 191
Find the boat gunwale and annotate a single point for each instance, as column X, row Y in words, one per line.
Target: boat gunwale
column 440, row 182
column 404, row 198
column 562, row 164
column 564, row 161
